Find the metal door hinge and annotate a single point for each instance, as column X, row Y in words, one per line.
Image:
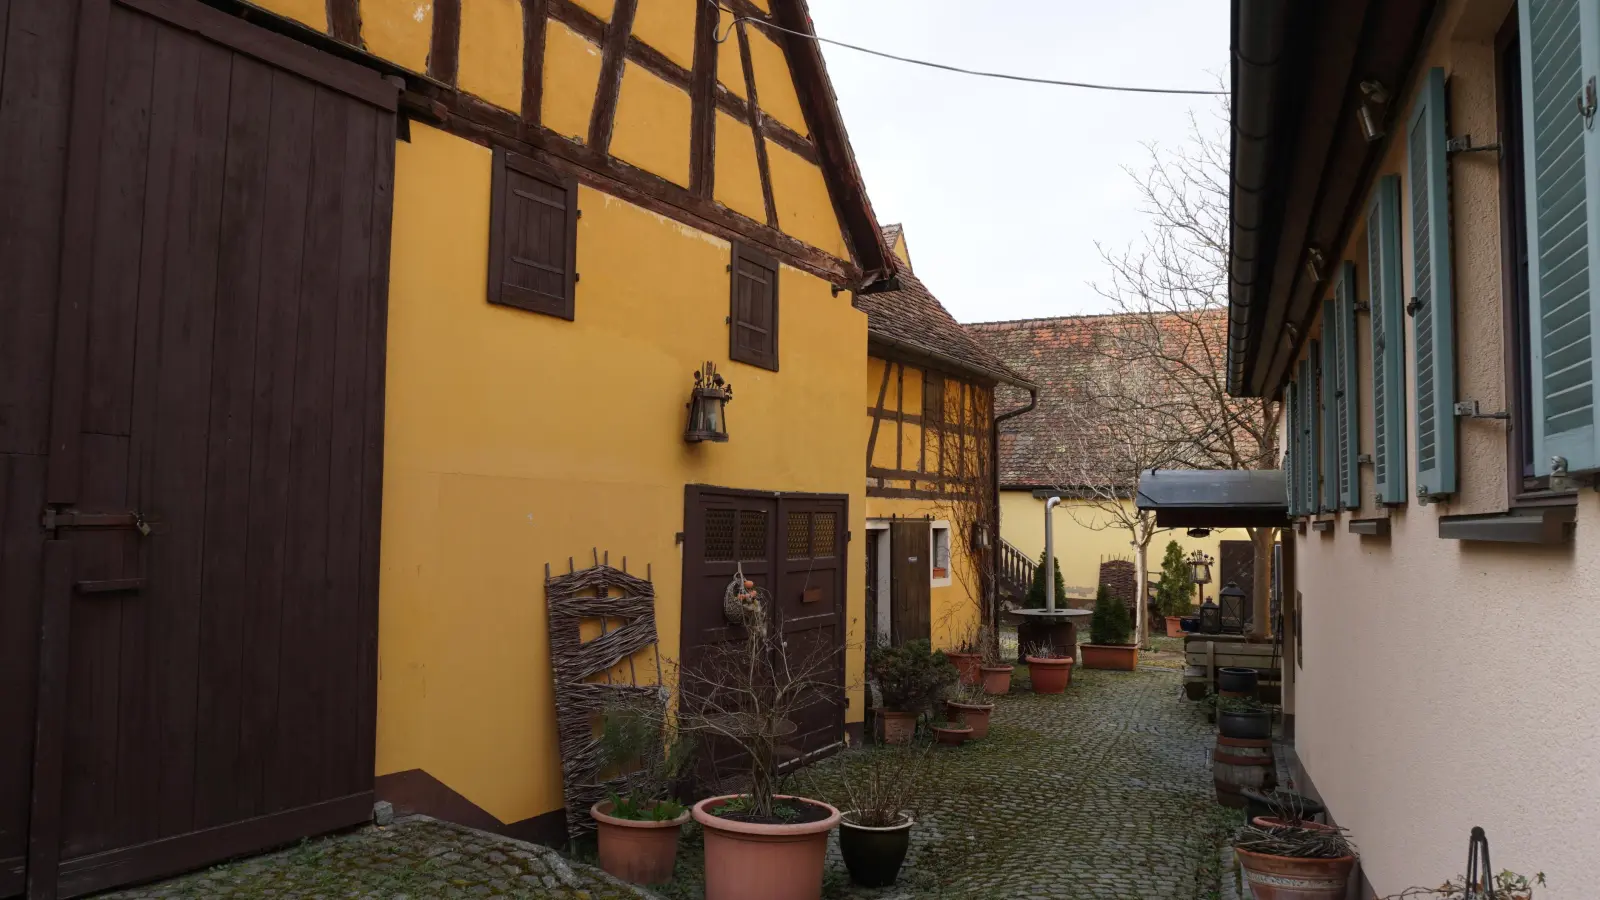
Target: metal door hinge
column 71, row 518
column 1463, row 144
column 1468, row 409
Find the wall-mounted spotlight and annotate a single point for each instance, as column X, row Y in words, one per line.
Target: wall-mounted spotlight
column 1369, row 112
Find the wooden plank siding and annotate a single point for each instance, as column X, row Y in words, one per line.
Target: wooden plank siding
column 190, row 438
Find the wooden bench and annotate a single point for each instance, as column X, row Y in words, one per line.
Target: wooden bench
column 1203, row 654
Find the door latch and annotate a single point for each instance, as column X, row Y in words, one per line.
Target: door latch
column 71, row 518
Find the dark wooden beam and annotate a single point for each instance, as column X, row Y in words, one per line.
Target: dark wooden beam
column 476, row 120
column 444, row 60
column 702, row 96
column 344, row 21
column 535, row 15
column 755, row 125
column 613, row 58
column 776, row 131
column 877, row 412
column 578, row 19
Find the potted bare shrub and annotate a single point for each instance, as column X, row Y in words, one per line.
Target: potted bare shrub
column 909, row 678
column 950, row 731
column 969, row 704
column 968, row 655
column 746, row 695
column 1306, row 861
column 879, row 786
column 639, row 822
column 1110, row 630
column 1242, row 717
column 1049, row 668
column 1481, row 881
column 994, row 672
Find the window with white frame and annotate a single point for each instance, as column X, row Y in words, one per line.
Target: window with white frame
column 940, row 553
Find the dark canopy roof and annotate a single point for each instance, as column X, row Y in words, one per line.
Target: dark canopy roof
column 1214, row 498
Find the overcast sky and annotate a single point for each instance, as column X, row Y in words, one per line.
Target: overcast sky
column 1004, row 187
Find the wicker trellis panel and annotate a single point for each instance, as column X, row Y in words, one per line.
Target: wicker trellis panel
column 1117, row 576
column 598, row 593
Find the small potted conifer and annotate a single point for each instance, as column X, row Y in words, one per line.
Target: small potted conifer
column 1175, row 590
column 1110, row 632
column 909, row 678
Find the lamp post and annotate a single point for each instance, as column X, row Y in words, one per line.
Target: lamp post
column 1200, row 571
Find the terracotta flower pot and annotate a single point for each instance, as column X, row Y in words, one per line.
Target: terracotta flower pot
column 1174, row 626
column 997, row 680
column 898, row 727
column 1120, row 657
column 874, row 855
column 1290, row 878
column 753, row 861
column 1049, row 675
column 973, row 715
column 638, row 851
column 952, row 735
column 968, row 664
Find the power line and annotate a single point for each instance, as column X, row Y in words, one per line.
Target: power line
column 957, row 69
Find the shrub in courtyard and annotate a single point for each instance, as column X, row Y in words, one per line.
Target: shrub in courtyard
column 880, row 785
column 1110, row 631
column 639, row 822
column 910, row 677
column 1175, row 592
column 1035, row 599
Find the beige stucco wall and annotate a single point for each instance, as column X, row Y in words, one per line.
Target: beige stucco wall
column 1086, row 535
column 1448, row 684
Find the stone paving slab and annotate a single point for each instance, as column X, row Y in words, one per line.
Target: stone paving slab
column 416, row 858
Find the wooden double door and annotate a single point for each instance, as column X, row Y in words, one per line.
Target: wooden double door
column 201, row 661
column 792, row 546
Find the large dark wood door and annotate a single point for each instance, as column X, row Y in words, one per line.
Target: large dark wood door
column 208, row 673
column 1237, row 563
column 910, row 580
column 792, row 546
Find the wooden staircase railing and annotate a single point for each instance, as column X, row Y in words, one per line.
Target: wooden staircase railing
column 1016, row 572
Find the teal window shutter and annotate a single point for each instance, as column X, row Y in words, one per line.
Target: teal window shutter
column 1560, row 151
column 1308, row 432
column 1387, row 321
column 1292, row 450
column 1346, row 380
column 1329, row 447
column 1434, row 359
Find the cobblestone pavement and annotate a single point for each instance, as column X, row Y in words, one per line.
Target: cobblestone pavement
column 1103, row 793
column 416, row 858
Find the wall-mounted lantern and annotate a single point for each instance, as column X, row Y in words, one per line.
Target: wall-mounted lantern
column 1199, row 568
column 708, row 420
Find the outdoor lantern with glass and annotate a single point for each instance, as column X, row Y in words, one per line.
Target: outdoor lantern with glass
column 1199, row 568
column 707, row 407
column 1231, row 608
column 1210, row 618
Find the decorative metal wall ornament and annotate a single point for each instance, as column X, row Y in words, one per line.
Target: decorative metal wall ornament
column 605, row 594
column 708, row 419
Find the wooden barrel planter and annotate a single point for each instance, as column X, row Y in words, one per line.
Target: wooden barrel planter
column 1239, row 763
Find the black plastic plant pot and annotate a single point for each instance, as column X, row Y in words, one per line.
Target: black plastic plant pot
column 874, row 855
column 1253, row 726
column 1238, row 680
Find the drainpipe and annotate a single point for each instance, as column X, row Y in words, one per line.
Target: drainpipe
column 994, row 527
column 1050, row 553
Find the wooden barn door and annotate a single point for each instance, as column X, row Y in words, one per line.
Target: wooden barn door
column 809, row 604
column 210, row 607
column 910, row 584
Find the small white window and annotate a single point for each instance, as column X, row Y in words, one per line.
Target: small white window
column 940, row 556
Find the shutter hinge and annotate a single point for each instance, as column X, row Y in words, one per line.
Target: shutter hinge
column 1363, row 306
column 1363, row 459
column 1468, row 409
column 1463, row 144
column 1413, row 306
column 1586, row 103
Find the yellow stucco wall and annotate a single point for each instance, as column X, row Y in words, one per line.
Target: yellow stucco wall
column 652, row 125
column 804, row 207
column 399, row 30
column 514, row 439
column 491, row 51
column 1082, row 541
column 571, row 75
column 954, row 609
column 307, row 12
column 601, row 8
column 773, row 82
column 730, row 62
column 737, row 182
column 668, row 26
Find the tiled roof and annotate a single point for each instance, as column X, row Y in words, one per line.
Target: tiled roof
column 913, row 317
column 1061, row 356
column 891, row 233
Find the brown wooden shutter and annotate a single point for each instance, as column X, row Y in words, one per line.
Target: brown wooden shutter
column 533, row 236
column 753, row 320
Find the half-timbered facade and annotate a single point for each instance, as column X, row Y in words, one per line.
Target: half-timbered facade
column 932, row 501
column 322, row 314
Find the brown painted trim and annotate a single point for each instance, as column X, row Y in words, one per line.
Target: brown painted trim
column 579, row 19
column 613, row 57
column 535, row 19
column 169, row 856
column 744, row 9
column 776, row 131
column 899, row 414
column 905, row 493
column 877, row 413
column 754, row 118
column 415, row 792
column 655, row 61
column 444, row 53
column 344, row 21
column 702, row 97
column 468, row 117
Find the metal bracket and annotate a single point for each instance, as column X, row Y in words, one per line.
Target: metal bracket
column 1413, row 306
column 1363, row 306
column 1363, row 459
column 1468, row 409
column 1463, row 144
